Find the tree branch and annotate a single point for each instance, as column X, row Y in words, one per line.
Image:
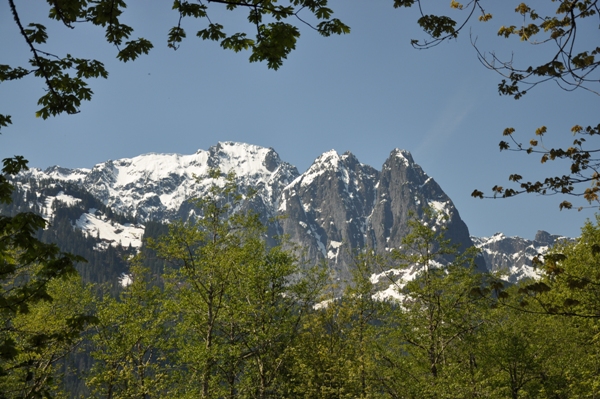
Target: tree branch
column 36, row 56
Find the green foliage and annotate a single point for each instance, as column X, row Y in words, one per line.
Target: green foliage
column 570, row 285
column 438, row 314
column 335, row 357
column 66, row 77
column 226, row 316
column 131, row 341
column 43, row 337
column 542, row 339
column 27, row 268
column 238, row 305
column 237, row 319
column 522, row 354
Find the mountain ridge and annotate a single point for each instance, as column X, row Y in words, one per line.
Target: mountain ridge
column 336, row 207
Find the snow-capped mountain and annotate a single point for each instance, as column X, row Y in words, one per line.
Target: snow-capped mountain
column 156, row 186
column 512, row 256
column 336, row 207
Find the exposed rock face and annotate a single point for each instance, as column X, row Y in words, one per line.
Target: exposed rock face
column 340, row 205
column 333, row 209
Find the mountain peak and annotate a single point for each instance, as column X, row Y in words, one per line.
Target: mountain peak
column 349, row 157
column 243, row 158
column 328, row 156
column 336, row 206
column 404, row 156
column 60, row 173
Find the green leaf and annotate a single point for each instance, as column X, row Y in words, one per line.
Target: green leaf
column 215, row 32
column 5, row 120
column 437, row 26
column 133, row 49
column 37, row 33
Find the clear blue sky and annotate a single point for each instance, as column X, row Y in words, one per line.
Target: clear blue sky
column 368, row 93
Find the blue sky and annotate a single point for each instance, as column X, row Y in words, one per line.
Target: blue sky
column 368, row 93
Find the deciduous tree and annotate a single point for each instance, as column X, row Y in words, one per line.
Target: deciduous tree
column 28, row 267
column 425, row 351
column 239, row 304
column 131, row 341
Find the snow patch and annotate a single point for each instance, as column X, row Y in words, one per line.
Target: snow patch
column 335, row 244
column 282, row 205
column 334, row 252
column 426, row 181
column 112, row 233
column 403, row 156
column 46, row 207
column 173, row 178
column 125, row 280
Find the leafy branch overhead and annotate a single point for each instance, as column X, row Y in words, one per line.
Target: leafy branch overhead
column 561, row 31
column 584, row 166
column 565, row 61
column 66, row 77
column 571, row 66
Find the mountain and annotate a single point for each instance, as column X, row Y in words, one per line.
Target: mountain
column 340, row 205
column 332, row 210
column 157, row 186
column 512, row 256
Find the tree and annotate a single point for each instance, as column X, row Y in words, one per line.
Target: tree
column 44, row 337
column 238, row 304
column 131, row 341
column 336, row 354
column 66, row 77
column 28, row 268
column 521, row 354
column 570, row 285
column 426, row 352
column 560, row 309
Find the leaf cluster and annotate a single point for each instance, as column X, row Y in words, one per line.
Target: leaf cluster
column 66, row 77
column 569, row 66
column 583, row 165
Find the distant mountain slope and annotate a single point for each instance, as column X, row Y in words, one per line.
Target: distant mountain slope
column 107, row 244
column 332, row 210
column 512, row 256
